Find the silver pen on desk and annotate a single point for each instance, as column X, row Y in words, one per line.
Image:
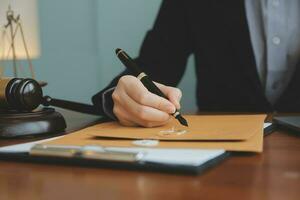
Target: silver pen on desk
column 87, row 152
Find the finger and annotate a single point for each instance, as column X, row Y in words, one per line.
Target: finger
column 145, row 123
column 150, row 124
column 152, row 100
column 127, row 119
column 122, row 116
column 174, row 94
column 135, row 121
column 127, row 123
column 141, row 112
column 139, row 93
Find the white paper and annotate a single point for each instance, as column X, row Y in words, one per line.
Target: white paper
column 189, row 157
column 266, row 125
column 25, row 147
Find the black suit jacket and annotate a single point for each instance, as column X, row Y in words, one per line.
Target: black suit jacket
column 217, row 33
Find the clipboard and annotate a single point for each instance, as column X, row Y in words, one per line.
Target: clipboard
column 133, row 166
column 20, row 153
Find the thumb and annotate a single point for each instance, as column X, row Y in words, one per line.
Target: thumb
column 173, row 94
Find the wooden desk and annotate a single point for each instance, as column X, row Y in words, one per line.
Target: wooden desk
column 275, row 174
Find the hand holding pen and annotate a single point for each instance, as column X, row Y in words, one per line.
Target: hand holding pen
column 138, row 102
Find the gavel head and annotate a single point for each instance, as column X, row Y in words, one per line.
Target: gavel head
column 20, row 94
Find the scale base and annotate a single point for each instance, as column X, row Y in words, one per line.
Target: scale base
column 35, row 123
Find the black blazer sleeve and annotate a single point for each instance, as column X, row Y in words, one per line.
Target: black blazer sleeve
column 163, row 54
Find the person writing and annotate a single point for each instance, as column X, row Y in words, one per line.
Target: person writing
column 247, row 55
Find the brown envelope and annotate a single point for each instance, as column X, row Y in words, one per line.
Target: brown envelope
column 253, row 144
column 223, row 127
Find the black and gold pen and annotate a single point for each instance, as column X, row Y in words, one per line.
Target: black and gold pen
column 147, row 82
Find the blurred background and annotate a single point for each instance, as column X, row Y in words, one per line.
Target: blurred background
column 77, row 40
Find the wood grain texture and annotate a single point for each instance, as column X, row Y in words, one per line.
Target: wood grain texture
column 275, row 174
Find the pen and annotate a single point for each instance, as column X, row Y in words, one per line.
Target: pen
column 87, row 152
column 145, row 79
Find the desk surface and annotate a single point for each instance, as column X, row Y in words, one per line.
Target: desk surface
column 275, row 174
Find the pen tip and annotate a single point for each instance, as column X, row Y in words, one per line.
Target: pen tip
column 182, row 121
column 118, row 50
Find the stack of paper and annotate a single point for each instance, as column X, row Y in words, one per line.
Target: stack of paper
column 229, row 132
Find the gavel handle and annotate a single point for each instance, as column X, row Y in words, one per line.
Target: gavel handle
column 70, row 105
